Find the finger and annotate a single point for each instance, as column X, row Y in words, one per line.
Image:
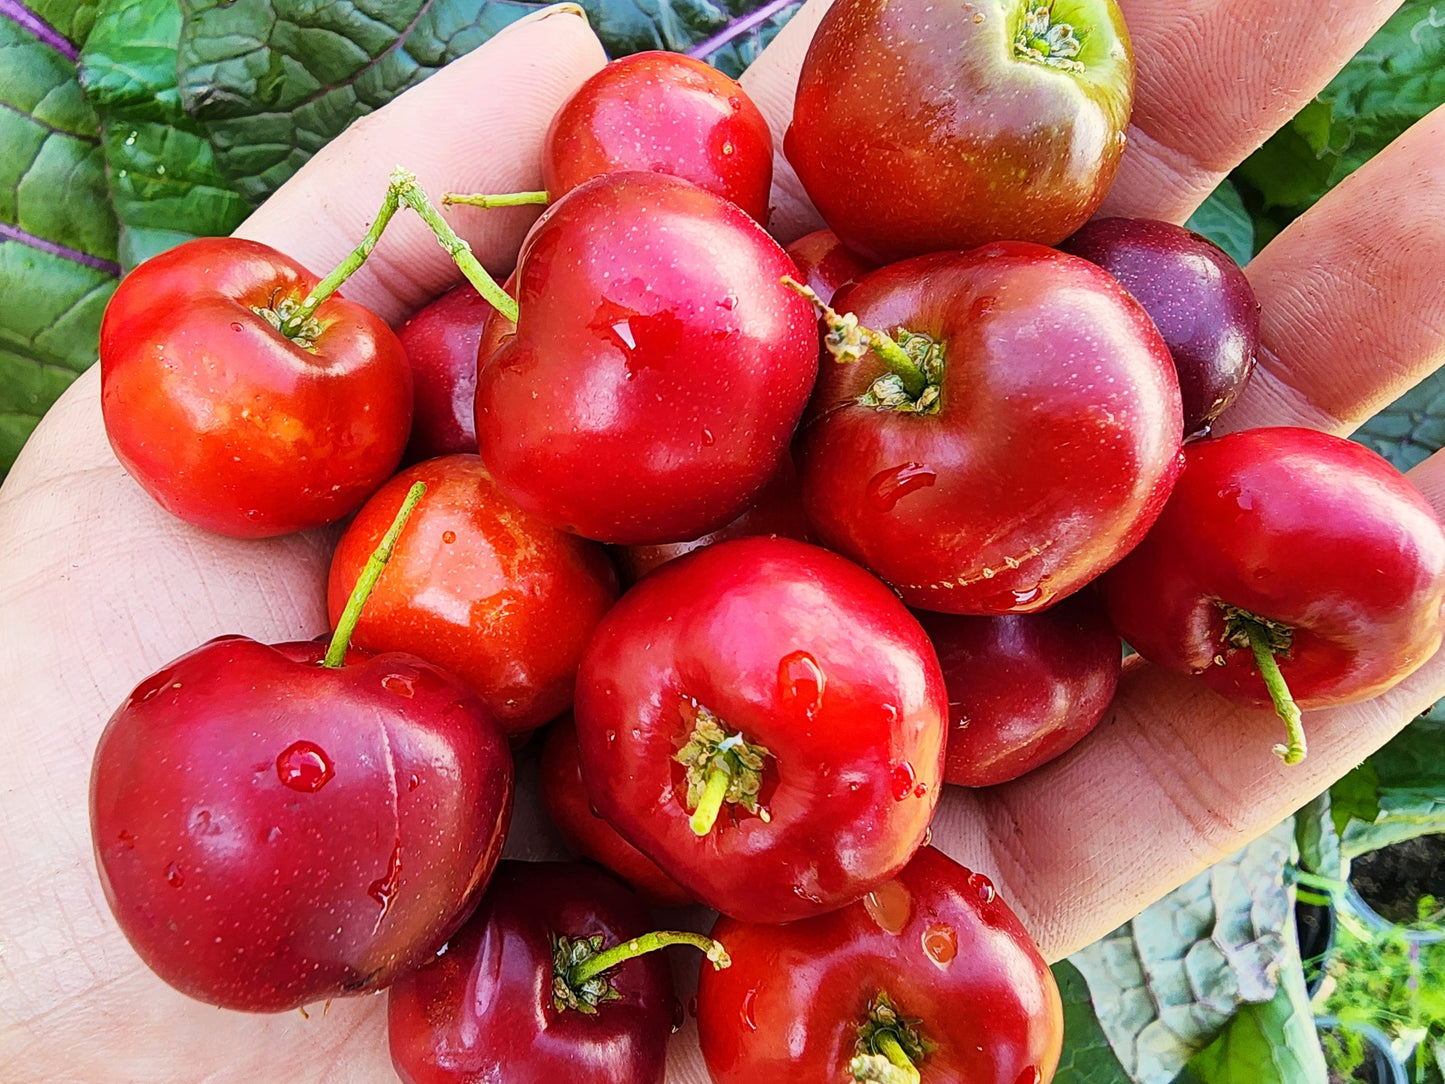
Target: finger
column 1352, row 310
column 1215, row 79
column 476, row 125
column 1175, row 779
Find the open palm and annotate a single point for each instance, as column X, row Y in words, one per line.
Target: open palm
column 98, row 587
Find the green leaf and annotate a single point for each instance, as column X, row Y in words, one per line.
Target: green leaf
column 1355, row 797
column 1412, row 427
column 1396, row 79
column 1272, row 1042
column 1165, row 984
column 1317, row 839
column 57, row 231
column 1224, row 219
column 1087, row 1057
column 164, row 180
column 1408, row 780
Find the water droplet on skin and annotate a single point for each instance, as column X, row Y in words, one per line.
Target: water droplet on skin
column 449, row 537
column 903, row 778
column 800, row 685
column 173, row 876
column 927, row 836
column 413, row 782
column 400, row 684
column 611, row 737
column 888, row 487
column 236, row 326
column 707, row 438
column 304, row 766
column 941, row 944
column 920, row 790
column 273, row 835
column 1031, row 1075
column 890, row 905
column 747, row 1010
column 728, row 302
column 1027, row 596
column 983, row 886
column 978, row 17
column 982, row 307
column 383, row 890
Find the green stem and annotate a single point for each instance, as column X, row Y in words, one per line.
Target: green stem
column 710, row 804
column 345, row 269
column 889, row 1047
column 506, row 199
column 410, row 193
column 846, row 338
column 341, row 638
column 1284, row 706
column 593, row 966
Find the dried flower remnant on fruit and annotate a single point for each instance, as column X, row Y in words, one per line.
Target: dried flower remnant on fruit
column 721, row 767
column 567, row 954
column 1045, row 41
column 283, row 313
column 888, row 1047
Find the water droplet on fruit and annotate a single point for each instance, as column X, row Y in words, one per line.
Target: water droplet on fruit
column 1027, row 596
column 413, row 782
column 273, row 835
column 304, row 766
column 173, row 876
column 692, row 1006
column 449, row 537
column 890, row 905
column 236, row 326
column 983, row 886
column 978, row 16
column 903, row 778
column 728, row 302
column 941, row 944
column 747, row 1011
column 623, row 330
column 1031, row 1075
column 921, row 790
column 800, row 685
column 400, row 684
column 736, row 104
column 927, row 836
column 708, row 440
column 383, row 890
column 888, row 487
column 150, row 688
column 611, row 737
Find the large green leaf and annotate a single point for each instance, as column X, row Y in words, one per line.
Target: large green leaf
column 1396, row 79
column 57, row 230
column 1225, row 220
column 1164, row 985
column 1087, row 1057
column 1272, row 1042
column 1317, row 838
column 164, row 181
column 1412, row 427
column 1401, row 792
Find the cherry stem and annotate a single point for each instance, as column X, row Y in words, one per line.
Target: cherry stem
column 593, row 966
column 410, row 193
column 710, row 804
column 1284, row 705
column 345, row 269
column 506, row 199
column 846, row 339
column 890, row 1048
column 346, row 625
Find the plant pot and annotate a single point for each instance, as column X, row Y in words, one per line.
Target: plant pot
column 1387, row 883
column 1315, row 926
column 1380, row 1066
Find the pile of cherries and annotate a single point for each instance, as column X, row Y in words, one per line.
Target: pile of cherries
column 759, row 723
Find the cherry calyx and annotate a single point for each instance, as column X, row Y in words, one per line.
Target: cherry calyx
column 721, row 767
column 580, row 965
column 1264, row 638
column 888, row 1046
column 914, row 361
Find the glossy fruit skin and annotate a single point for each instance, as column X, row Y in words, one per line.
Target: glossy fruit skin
column 272, row 833
column 745, row 629
column 999, row 147
column 675, row 434
column 441, row 344
column 230, row 426
column 778, row 510
column 790, row 1005
column 478, row 587
column 1197, row 296
column 483, row 1011
column 1022, row 688
column 1302, row 528
column 663, row 113
column 825, row 264
column 565, row 796
column 1054, row 448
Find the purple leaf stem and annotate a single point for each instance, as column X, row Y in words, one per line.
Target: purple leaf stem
column 23, row 17
column 733, row 30
column 15, row 233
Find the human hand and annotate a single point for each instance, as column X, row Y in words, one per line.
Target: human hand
column 98, row 587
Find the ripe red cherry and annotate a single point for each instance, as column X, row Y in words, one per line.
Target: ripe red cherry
column 930, row 968
column 824, row 264
column 923, row 127
column 765, row 721
column 658, row 367
column 230, row 424
column 1292, row 550
column 1197, row 296
column 565, row 796
column 479, row 587
column 504, row 1002
column 441, row 344
column 1022, row 688
column 1023, row 445
column 663, row 113
column 272, row 832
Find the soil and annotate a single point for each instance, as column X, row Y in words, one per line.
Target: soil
column 1393, row 878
